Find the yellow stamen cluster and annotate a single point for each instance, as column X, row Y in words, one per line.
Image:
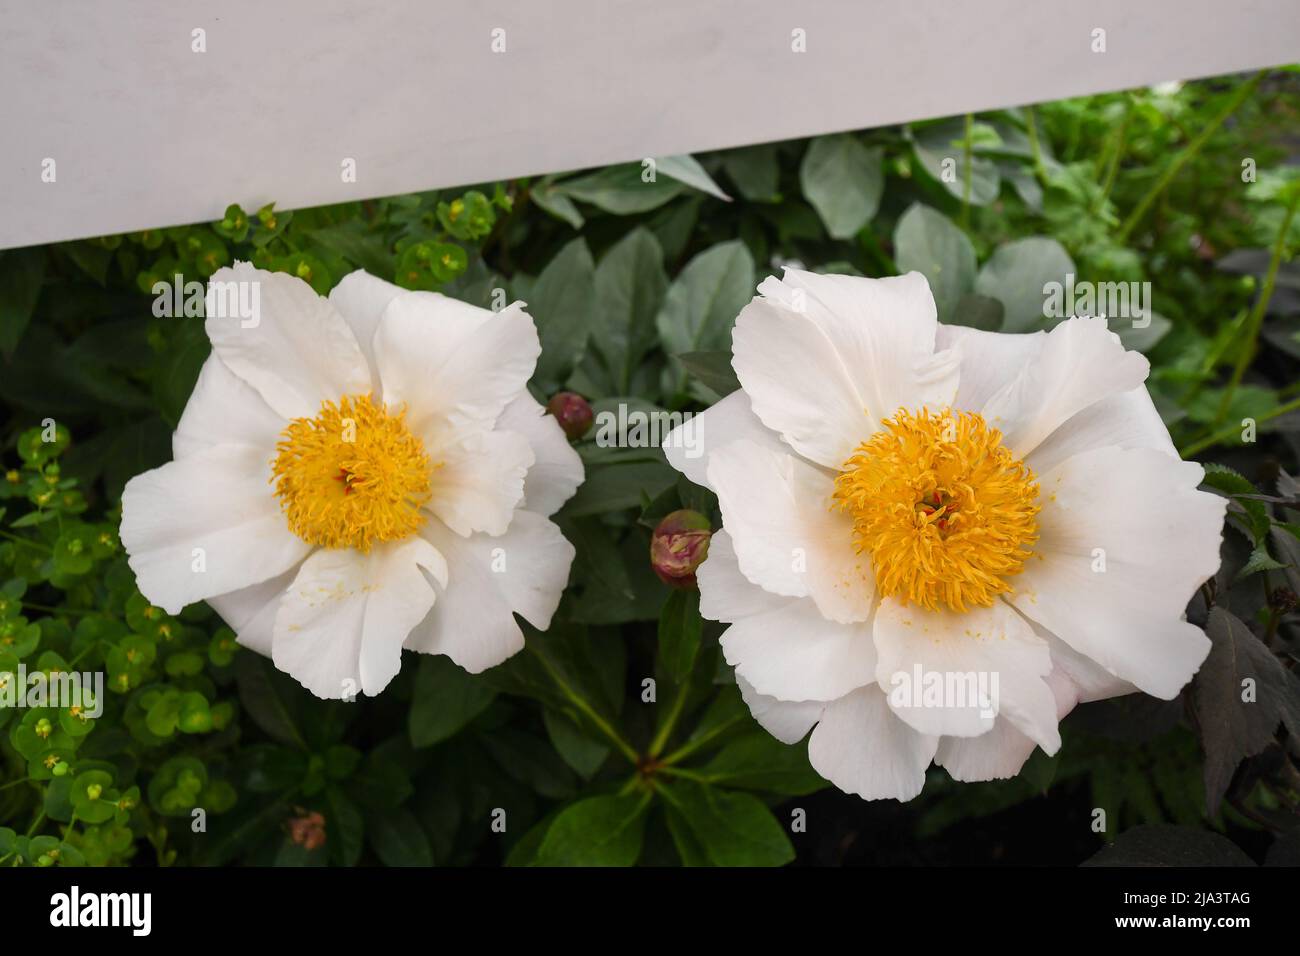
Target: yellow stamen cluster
column 945, row 511
column 352, row 476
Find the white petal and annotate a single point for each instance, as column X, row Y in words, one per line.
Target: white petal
column 984, row 662
column 557, row 469
column 205, row 525
column 989, row 361
column 793, row 653
column 825, row 358
column 725, row 593
column 787, row 721
column 454, row 366
column 296, row 352
column 524, row 570
column 361, row 299
column 1159, row 538
column 225, row 410
column 689, row 446
column 1080, row 363
column 340, row 626
column 477, row 483
column 1002, row 752
column 862, row 748
column 787, row 537
column 251, row 611
column 1126, row 420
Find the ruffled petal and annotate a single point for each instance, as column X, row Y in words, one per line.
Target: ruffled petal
column 1136, row 513
column 340, row 626
column 862, row 748
column 557, row 469
column 205, row 525
column 296, row 351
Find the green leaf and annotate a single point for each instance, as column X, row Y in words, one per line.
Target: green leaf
column 702, row 303
column 616, row 487
column 622, row 190
column 1017, row 275
column 711, row 369
column 755, row 171
column 1241, row 693
column 443, row 700
column 680, row 630
column 551, row 199
column 1165, row 845
column 597, row 831
column 930, row 243
column 844, row 181
column 560, row 303
column 21, row 273
column 726, row 829
column 630, row 285
column 940, row 149
column 398, row 840
column 758, row 761
column 687, row 169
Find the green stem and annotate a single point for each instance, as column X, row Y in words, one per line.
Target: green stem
column 661, row 738
column 1187, row 153
column 692, row 746
column 1256, row 320
column 1113, row 161
column 1035, row 148
column 684, row 773
column 1215, row 437
column 27, row 541
column 965, row 189
column 581, row 703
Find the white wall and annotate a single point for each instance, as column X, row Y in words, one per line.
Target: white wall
column 146, row 132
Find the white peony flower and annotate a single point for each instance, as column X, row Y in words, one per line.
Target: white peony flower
column 936, row 541
column 357, row 475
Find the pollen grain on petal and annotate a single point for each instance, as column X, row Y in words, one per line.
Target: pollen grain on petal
column 352, row 476
column 946, row 512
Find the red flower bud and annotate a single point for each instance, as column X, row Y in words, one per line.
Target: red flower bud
column 572, row 412
column 678, row 546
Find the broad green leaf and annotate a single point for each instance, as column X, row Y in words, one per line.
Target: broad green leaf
column 444, row 699
column 560, row 303
column 728, row 829
column 680, row 630
column 1018, row 274
column 630, row 287
column 687, row 169
column 615, row 487
column 758, row 761
column 1233, row 727
column 703, row 302
column 930, row 243
column 844, row 181
column 21, row 274
column 755, row 171
column 940, row 149
column 597, row 831
column 711, row 369
column 398, row 840
column 622, row 190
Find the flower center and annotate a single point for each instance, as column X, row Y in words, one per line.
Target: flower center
column 352, row 476
column 945, row 511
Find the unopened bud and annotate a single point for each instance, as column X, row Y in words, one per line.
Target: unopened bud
column 678, row 546
column 573, row 413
